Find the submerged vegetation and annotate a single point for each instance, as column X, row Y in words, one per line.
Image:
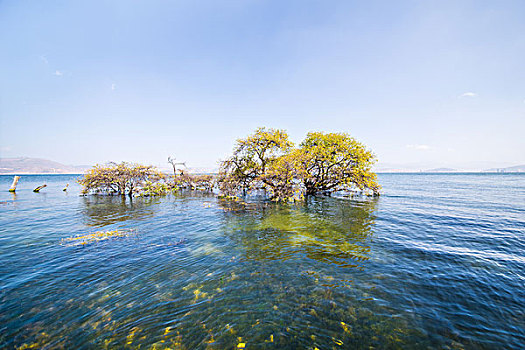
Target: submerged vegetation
column 284, row 282
column 139, row 180
column 124, row 178
column 96, row 237
column 266, row 162
column 282, row 232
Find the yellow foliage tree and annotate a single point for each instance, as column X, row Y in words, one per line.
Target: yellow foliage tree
column 244, row 170
column 335, row 161
column 121, row 179
column 322, row 164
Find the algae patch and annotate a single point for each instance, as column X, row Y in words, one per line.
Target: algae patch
column 96, row 237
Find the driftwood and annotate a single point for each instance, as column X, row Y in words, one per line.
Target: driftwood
column 39, row 188
column 15, row 182
column 174, row 164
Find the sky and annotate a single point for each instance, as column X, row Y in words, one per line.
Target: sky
column 421, row 83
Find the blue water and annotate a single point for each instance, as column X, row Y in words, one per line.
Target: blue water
column 437, row 262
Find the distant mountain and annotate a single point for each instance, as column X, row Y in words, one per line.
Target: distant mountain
column 510, row 169
column 26, row 165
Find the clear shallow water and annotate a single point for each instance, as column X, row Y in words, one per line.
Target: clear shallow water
column 437, row 262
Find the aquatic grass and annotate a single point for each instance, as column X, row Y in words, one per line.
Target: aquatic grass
column 96, row 237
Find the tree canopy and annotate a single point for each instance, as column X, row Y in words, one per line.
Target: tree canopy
column 335, row 161
column 265, row 161
column 142, row 180
column 123, row 178
column 245, row 169
column 322, row 164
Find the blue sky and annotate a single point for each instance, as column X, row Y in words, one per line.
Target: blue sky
column 432, row 83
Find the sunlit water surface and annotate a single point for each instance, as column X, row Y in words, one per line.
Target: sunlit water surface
column 437, row 262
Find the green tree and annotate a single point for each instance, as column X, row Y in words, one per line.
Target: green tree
column 250, row 159
column 323, row 164
column 281, row 177
column 123, row 178
column 335, row 161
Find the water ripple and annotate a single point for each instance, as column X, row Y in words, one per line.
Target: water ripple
column 437, row 262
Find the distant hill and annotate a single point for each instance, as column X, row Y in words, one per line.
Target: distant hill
column 510, row 169
column 26, row 165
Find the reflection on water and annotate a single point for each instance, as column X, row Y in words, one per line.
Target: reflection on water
column 333, row 231
column 106, row 210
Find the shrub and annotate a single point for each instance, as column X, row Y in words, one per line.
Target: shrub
column 121, row 179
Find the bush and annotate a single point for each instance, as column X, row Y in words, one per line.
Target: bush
column 121, row 179
column 194, row 182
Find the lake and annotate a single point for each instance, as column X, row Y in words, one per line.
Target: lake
column 438, row 261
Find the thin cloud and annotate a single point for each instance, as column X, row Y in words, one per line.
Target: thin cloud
column 419, row 147
column 113, row 87
column 468, row 94
column 58, row 73
column 44, row 59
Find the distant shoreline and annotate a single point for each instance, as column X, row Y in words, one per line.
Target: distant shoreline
column 41, row 174
column 451, row 172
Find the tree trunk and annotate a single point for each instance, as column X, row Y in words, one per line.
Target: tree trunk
column 310, row 191
column 39, row 188
column 15, row 182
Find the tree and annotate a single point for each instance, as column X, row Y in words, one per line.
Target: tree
column 335, row 161
column 281, row 177
column 250, row 158
column 322, row 164
column 123, row 178
column 194, row 182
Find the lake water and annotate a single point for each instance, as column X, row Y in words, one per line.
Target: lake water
column 437, row 262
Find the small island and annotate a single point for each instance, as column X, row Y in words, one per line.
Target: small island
column 265, row 162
